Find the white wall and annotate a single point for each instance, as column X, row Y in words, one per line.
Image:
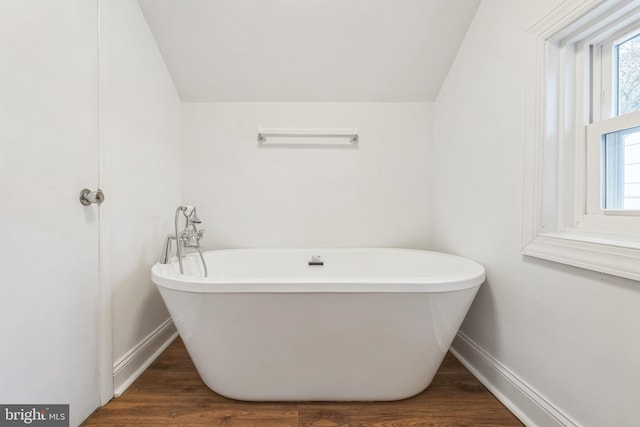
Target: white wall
column 140, row 125
column 569, row 334
column 376, row 195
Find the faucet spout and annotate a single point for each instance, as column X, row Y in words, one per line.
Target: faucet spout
column 166, row 249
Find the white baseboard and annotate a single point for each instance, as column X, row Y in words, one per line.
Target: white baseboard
column 130, row 366
column 514, row 393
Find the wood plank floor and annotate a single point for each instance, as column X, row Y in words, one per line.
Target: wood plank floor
column 170, row 393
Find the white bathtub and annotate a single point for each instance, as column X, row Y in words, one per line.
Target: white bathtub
column 367, row 324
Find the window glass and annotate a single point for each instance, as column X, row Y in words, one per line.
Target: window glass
column 628, row 75
column 621, row 169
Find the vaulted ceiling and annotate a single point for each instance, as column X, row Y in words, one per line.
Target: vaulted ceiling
column 308, row 50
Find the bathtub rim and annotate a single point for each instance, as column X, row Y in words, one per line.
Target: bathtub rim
column 472, row 276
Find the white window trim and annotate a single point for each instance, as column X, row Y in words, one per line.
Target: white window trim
column 555, row 197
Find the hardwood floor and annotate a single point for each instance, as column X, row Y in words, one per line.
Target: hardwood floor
column 170, row 392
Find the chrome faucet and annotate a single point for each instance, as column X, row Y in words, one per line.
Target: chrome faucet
column 189, row 237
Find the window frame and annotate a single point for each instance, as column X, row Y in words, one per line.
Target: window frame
column 595, row 132
column 560, row 221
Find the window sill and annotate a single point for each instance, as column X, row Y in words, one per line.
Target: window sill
column 592, row 251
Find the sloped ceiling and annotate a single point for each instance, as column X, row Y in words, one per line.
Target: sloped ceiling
column 308, row 50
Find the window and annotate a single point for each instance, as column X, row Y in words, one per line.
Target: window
column 582, row 140
column 620, row 189
column 615, row 74
column 621, row 149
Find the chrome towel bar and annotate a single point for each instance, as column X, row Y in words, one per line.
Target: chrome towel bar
column 264, row 135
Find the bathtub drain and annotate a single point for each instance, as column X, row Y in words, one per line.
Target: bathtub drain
column 316, row 261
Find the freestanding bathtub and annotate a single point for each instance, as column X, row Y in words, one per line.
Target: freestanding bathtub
column 320, row 324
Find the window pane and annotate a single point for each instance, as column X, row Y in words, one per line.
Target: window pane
column 628, row 54
column 621, row 169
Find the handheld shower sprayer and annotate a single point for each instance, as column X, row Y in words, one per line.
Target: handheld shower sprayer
column 190, row 214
